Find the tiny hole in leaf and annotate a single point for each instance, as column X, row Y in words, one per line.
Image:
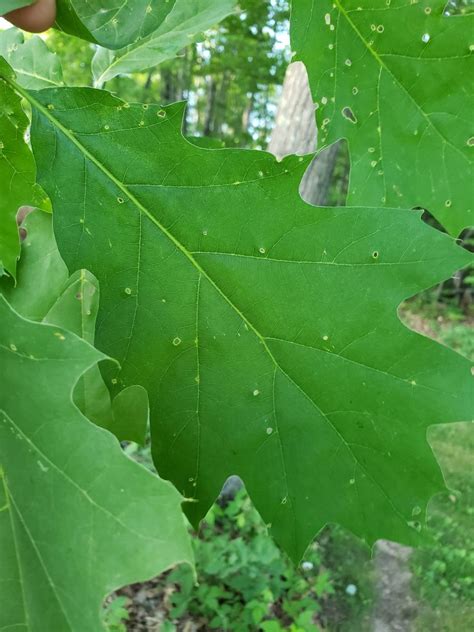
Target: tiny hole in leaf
column 348, row 114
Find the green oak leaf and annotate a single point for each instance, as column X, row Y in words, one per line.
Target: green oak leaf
column 265, row 330
column 206, row 142
column 111, row 23
column 79, row 518
column 46, row 293
column 183, row 25
column 17, row 171
column 10, row 5
column 34, row 64
column 130, row 414
column 75, row 309
column 395, row 80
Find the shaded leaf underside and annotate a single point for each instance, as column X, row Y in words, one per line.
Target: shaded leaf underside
column 45, row 293
column 183, row 25
column 111, row 23
column 264, row 329
column 34, row 64
column 395, row 80
column 11, row 5
column 78, row 518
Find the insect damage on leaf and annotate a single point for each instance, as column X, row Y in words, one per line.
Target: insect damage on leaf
column 251, row 310
column 34, row 64
column 391, row 77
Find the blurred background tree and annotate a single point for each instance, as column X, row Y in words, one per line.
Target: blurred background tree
column 231, row 80
column 459, row 7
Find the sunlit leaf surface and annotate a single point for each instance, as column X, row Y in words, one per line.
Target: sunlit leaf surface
column 396, row 80
column 264, row 329
column 78, row 519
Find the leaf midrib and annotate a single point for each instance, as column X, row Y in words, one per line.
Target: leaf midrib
column 41, row 561
column 155, row 36
column 120, row 185
column 33, row 75
column 83, row 492
column 6, row 491
column 197, row 266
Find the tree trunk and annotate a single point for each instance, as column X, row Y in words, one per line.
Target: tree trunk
column 295, row 133
column 167, row 87
column 147, row 86
column 220, row 104
column 246, row 114
column 211, row 104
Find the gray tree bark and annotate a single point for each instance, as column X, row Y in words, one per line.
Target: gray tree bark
column 295, row 133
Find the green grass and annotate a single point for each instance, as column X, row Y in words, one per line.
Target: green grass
column 444, row 573
column 445, row 323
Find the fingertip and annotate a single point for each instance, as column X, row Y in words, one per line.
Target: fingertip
column 36, row 18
